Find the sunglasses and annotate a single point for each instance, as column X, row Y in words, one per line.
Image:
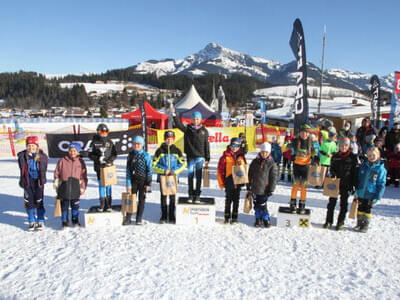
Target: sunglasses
column 235, row 145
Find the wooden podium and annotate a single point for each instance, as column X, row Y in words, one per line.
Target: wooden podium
column 288, row 219
column 95, row 219
column 188, row 213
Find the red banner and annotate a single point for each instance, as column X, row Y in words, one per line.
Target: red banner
column 397, row 84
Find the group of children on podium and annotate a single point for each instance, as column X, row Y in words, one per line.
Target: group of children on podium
column 70, row 175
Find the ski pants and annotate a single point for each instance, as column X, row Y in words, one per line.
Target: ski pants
column 33, row 199
column 260, row 207
column 232, row 197
column 165, row 210
column 344, row 196
column 104, row 191
column 195, row 166
column 138, row 187
column 65, row 204
column 287, row 164
column 365, row 207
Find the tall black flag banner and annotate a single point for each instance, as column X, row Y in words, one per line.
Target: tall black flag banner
column 376, row 99
column 144, row 126
column 297, row 43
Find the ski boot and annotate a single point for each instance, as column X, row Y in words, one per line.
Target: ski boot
column 302, row 207
column 292, row 206
column 339, row 226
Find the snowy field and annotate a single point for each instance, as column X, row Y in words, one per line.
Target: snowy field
column 192, row 262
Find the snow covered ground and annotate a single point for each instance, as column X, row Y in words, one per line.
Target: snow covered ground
column 195, row 262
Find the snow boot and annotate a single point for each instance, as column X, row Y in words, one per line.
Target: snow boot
column 102, row 204
column 39, row 226
column 267, row 223
column 75, row 222
column 339, row 226
column 258, row 222
column 64, row 224
column 234, row 221
column 127, row 219
column 196, row 199
column 327, row 225
column 227, row 220
column 292, row 206
column 107, row 206
column 360, row 220
column 31, row 227
column 365, row 224
column 302, row 207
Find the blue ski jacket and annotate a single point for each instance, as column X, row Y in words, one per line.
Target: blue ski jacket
column 371, row 180
column 139, row 167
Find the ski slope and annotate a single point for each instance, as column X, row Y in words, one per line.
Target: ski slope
column 195, row 262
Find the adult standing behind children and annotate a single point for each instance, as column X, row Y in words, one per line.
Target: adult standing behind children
column 103, row 154
column 32, row 164
column 70, row 181
column 168, row 160
column 197, row 150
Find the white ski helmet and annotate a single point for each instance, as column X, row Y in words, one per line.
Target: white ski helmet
column 266, row 147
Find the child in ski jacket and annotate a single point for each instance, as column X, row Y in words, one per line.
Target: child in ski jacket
column 232, row 156
column 327, row 149
column 138, row 176
column 168, row 160
column 370, row 187
column 276, row 151
column 103, row 154
column 344, row 167
column 394, row 166
column 32, row 164
column 70, row 181
column 262, row 183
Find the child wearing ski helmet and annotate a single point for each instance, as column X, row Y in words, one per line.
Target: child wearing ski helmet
column 262, row 183
column 197, row 150
column 168, row 160
column 343, row 166
column 103, row 154
column 328, row 149
column 287, row 156
column 70, row 181
column 302, row 155
column 370, row 187
column 232, row 156
column 138, row 176
column 32, row 164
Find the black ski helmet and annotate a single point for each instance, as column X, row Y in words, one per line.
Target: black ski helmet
column 102, row 127
column 169, row 134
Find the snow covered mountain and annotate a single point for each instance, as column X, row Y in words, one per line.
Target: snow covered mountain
column 216, row 59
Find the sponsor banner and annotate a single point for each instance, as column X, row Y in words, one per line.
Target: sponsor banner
column 395, row 107
column 375, row 101
column 297, row 43
column 58, row 144
column 144, row 126
column 219, row 138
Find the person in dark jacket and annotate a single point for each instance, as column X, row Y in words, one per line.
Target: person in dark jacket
column 139, row 172
column 243, row 143
column 370, row 187
column 232, row 156
column 344, row 167
column 366, row 129
column 32, row 163
column 103, row 154
column 197, row 150
column 393, row 137
column 168, row 160
column 70, row 181
column 262, row 182
column 394, row 166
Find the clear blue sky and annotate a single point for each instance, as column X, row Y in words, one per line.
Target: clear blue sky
column 59, row 37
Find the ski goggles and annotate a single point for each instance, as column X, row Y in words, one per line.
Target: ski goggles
column 235, row 145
